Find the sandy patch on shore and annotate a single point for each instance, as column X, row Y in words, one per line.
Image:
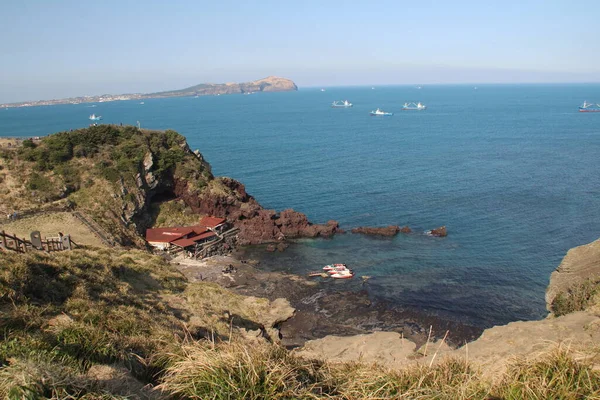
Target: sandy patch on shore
column 49, row 225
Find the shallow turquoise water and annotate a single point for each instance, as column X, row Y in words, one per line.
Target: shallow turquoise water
column 510, row 170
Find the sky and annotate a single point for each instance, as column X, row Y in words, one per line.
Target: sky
column 61, row 48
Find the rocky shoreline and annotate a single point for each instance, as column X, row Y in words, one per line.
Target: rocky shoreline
column 319, row 310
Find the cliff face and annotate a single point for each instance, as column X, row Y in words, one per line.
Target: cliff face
column 116, row 173
column 579, row 268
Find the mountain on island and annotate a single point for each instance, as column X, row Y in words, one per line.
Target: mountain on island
column 268, row 84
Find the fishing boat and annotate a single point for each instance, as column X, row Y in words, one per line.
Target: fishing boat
column 331, row 267
column 342, row 275
column 95, row 117
column 414, row 106
column 379, row 112
column 341, row 104
column 589, row 107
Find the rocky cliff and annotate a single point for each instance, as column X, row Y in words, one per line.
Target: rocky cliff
column 116, row 173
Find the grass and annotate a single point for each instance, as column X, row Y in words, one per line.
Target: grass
column 554, row 375
column 173, row 213
column 577, row 298
column 49, row 225
column 65, row 314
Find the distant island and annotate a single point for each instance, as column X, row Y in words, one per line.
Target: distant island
column 269, row 84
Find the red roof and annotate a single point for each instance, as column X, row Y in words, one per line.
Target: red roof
column 167, row 235
column 211, row 222
column 170, row 235
column 192, row 240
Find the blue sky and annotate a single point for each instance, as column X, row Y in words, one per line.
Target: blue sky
column 60, row 48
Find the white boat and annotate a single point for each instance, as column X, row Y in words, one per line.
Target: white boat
column 141, row 102
column 322, row 90
column 331, row 267
column 342, row 275
column 414, row 106
column 379, row 112
column 341, row 104
column 95, row 117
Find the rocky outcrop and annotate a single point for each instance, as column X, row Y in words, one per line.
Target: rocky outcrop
column 405, row 229
column 492, row 352
column 579, row 265
column 391, row 230
column 438, row 232
column 227, row 198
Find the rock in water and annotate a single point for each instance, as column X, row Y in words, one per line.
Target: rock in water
column 439, row 232
column 391, row 230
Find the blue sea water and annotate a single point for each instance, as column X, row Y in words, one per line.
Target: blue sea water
column 511, row 170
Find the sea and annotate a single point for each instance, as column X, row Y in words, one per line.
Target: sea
column 510, row 170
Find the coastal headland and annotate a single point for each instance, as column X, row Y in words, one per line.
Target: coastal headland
column 110, row 317
column 268, row 84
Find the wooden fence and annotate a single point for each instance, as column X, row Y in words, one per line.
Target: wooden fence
column 14, row 243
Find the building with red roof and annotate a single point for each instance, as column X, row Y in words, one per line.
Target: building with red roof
column 207, row 229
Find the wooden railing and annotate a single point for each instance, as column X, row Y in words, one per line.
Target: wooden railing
column 14, row 243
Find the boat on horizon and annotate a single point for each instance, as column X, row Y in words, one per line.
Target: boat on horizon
column 95, row 117
column 589, row 107
column 341, row 104
column 382, row 113
column 414, row 106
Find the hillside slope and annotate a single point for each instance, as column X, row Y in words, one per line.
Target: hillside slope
column 115, row 173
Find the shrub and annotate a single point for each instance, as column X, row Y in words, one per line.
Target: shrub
column 28, row 144
column 576, row 298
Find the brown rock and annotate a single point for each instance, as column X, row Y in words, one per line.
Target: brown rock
column 391, row 230
column 282, row 246
column 439, row 232
column 271, row 247
column 405, row 229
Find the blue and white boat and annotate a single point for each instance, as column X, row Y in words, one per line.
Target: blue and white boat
column 589, row 107
column 95, row 117
column 414, row 106
column 381, row 113
column 341, row 104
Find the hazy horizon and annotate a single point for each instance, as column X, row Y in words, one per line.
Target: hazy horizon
column 69, row 48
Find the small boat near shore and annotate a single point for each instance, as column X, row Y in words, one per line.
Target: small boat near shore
column 338, row 271
column 95, row 117
column 342, row 275
column 589, row 107
column 414, row 107
column 341, row 104
column 380, row 113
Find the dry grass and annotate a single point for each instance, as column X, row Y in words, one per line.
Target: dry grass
column 173, row 213
column 64, row 313
column 49, row 225
column 557, row 374
column 237, row 371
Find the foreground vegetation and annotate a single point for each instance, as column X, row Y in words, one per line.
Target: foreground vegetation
column 101, row 324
